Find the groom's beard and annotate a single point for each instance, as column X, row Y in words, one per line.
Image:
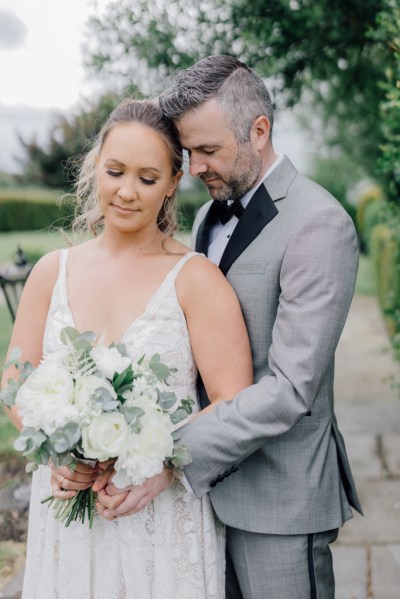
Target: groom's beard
column 236, row 182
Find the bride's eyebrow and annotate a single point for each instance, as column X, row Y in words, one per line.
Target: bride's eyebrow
column 146, row 169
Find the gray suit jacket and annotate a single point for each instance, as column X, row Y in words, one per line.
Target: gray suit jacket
column 292, row 261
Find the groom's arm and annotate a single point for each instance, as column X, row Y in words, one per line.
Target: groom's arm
column 317, row 283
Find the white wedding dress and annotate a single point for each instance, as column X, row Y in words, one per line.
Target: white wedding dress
column 175, row 547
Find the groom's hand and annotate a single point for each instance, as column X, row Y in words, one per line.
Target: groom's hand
column 137, row 497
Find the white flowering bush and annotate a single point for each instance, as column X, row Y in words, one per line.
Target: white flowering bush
column 90, row 402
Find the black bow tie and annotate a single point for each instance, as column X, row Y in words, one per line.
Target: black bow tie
column 225, row 211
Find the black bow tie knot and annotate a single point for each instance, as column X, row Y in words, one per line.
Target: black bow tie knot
column 225, row 211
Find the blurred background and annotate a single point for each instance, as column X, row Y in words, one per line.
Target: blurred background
column 333, row 70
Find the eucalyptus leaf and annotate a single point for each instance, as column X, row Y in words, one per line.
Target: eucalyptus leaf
column 27, row 369
column 65, row 437
column 13, row 358
column 31, row 467
column 180, row 456
column 68, row 335
column 105, row 400
column 121, row 347
column 29, row 440
column 8, row 394
column 132, row 414
column 179, row 415
column 160, row 370
column 166, row 399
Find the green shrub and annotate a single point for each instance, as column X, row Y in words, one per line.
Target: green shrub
column 374, row 214
column 373, row 195
column 32, row 212
column 189, row 202
column 385, row 251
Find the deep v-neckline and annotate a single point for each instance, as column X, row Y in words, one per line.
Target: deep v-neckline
column 174, row 270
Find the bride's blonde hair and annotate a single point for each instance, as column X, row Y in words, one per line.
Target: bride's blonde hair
column 88, row 216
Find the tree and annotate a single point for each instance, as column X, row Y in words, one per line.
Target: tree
column 388, row 32
column 52, row 165
column 318, row 52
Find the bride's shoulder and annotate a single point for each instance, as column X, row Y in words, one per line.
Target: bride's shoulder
column 47, row 266
column 199, row 273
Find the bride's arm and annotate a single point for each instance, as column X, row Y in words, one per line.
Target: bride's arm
column 217, row 330
column 28, row 330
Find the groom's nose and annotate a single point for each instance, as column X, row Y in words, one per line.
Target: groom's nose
column 197, row 166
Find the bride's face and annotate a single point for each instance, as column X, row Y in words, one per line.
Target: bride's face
column 134, row 175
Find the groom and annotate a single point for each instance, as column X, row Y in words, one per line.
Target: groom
column 273, row 458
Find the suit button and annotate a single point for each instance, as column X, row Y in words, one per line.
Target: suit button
column 213, row 483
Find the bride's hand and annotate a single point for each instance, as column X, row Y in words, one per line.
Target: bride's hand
column 106, row 471
column 65, row 482
column 136, row 498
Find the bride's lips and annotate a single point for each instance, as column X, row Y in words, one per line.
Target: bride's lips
column 123, row 210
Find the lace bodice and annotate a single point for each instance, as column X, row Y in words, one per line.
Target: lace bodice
column 161, row 328
column 172, row 549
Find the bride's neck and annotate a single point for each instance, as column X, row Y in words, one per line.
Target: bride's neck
column 116, row 242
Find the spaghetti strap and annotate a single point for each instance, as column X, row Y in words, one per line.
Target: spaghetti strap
column 173, row 273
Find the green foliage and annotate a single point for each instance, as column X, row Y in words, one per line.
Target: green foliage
column 337, row 173
column 33, row 214
column 371, row 195
column 54, row 164
column 322, row 48
column 189, row 202
column 385, row 252
column 388, row 33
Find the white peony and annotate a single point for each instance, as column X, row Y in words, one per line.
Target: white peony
column 109, row 360
column 146, row 451
column 85, row 387
column 46, row 399
column 105, row 437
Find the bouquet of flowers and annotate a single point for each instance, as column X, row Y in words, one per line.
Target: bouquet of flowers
column 91, row 402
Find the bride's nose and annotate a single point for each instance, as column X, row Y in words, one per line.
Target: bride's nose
column 127, row 191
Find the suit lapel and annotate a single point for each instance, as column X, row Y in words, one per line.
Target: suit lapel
column 203, row 232
column 259, row 212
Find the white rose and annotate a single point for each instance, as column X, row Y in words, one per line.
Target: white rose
column 109, row 360
column 146, row 451
column 46, row 399
column 105, row 437
column 85, row 388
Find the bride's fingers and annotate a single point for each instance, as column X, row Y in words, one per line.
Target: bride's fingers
column 102, row 479
column 110, row 502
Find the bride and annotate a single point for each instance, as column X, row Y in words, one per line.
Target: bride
column 132, row 282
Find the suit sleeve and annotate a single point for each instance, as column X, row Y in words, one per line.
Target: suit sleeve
column 318, row 273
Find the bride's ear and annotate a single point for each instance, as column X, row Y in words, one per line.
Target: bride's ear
column 174, row 184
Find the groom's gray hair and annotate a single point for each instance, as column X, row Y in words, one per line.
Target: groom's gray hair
column 241, row 93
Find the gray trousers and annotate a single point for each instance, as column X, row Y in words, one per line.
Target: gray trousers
column 262, row 566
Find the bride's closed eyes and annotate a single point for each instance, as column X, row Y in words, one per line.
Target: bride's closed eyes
column 113, row 173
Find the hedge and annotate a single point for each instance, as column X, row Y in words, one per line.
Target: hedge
column 28, row 210
column 33, row 213
column 385, row 255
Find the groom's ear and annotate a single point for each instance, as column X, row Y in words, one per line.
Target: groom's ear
column 260, row 131
column 174, row 183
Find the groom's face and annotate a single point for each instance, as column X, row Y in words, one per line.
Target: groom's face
column 227, row 168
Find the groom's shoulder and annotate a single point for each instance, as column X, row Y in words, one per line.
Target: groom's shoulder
column 309, row 196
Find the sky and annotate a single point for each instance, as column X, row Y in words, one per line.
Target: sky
column 41, row 71
column 42, row 75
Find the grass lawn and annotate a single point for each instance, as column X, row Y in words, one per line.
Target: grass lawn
column 31, row 242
